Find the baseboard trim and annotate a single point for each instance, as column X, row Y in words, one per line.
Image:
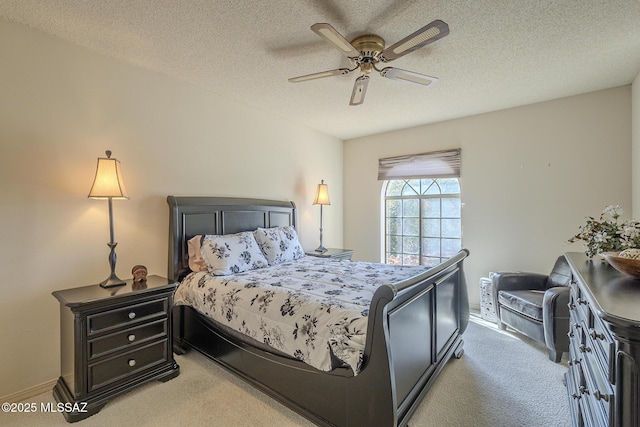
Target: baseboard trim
column 29, row 392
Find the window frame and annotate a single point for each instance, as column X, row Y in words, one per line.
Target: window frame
column 419, row 195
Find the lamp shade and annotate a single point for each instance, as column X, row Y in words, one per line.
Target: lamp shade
column 108, row 182
column 322, row 194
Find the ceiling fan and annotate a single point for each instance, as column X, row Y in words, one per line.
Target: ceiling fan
column 365, row 52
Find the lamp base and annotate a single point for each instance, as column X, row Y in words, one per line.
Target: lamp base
column 321, row 249
column 112, row 282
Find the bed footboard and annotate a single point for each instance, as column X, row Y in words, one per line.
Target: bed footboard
column 425, row 317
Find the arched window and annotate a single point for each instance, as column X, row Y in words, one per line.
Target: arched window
column 422, row 220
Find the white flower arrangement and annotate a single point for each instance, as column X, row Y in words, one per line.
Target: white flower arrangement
column 608, row 233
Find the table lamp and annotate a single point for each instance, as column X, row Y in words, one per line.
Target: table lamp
column 108, row 184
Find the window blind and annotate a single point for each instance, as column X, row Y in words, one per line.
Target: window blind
column 437, row 164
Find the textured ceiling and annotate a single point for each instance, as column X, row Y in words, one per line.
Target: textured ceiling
column 499, row 53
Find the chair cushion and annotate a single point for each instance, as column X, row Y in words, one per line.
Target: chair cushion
column 527, row 302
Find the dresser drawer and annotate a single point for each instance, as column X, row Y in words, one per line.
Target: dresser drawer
column 574, row 397
column 123, row 316
column 603, row 345
column 598, row 391
column 128, row 338
column 575, row 364
column 126, row 365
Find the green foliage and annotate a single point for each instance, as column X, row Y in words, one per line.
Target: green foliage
column 608, row 233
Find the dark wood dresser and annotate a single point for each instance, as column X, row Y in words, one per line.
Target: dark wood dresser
column 603, row 381
column 112, row 340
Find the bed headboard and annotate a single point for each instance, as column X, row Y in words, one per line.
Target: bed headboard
column 189, row 216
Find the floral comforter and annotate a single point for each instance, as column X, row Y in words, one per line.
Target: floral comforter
column 311, row 308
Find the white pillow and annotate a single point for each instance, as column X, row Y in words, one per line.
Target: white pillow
column 279, row 244
column 196, row 263
column 231, row 253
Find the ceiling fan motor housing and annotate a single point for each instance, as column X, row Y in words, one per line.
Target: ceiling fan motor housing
column 370, row 45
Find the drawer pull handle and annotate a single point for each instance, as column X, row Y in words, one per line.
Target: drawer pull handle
column 601, row 396
column 132, row 362
column 570, row 334
column 576, row 396
column 131, row 338
column 572, row 305
column 584, row 348
column 595, row 335
column 132, row 315
column 581, row 301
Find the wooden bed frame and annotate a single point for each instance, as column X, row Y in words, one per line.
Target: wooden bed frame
column 414, row 328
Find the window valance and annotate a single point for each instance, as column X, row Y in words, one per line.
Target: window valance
column 437, row 164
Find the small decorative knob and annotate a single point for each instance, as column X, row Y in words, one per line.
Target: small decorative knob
column 601, row 396
column 132, row 362
column 583, row 348
column 132, row 315
column 131, row 337
column 596, row 335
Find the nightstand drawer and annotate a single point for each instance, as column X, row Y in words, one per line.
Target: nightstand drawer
column 129, row 314
column 125, row 365
column 127, row 338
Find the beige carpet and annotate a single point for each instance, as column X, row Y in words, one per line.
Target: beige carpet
column 503, row 380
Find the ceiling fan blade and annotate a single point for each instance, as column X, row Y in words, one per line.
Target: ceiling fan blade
column 336, row 72
column 409, row 76
column 336, row 39
column 425, row 35
column 359, row 90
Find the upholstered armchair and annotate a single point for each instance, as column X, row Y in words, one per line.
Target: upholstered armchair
column 536, row 305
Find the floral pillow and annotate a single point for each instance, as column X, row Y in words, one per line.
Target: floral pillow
column 279, row 244
column 196, row 263
column 231, row 253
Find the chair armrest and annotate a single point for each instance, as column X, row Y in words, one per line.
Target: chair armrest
column 555, row 318
column 555, row 304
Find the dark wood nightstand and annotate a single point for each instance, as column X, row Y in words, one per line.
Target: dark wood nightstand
column 333, row 253
column 112, row 340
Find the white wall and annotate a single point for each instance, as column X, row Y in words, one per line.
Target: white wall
column 529, row 177
column 61, row 107
column 635, row 135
